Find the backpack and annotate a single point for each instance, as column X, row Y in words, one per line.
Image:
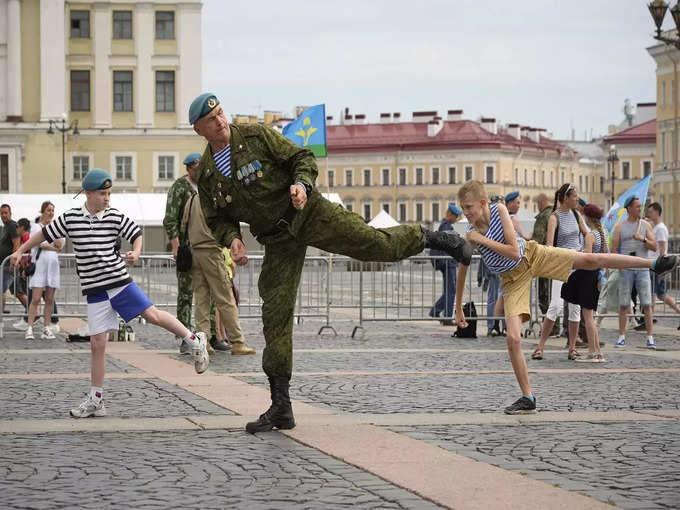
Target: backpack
column 469, row 310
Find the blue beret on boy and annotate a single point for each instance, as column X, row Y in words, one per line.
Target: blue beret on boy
column 511, row 196
column 202, row 106
column 97, row 179
column 455, row 210
column 192, row 158
column 582, row 202
column 629, row 200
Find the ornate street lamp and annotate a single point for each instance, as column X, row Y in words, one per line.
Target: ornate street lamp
column 658, row 9
column 64, row 128
column 613, row 158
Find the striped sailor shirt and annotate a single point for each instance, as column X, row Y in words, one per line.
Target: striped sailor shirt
column 223, row 161
column 496, row 262
column 95, row 239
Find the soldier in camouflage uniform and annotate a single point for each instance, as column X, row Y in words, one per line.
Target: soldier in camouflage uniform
column 251, row 173
column 179, row 194
column 540, row 235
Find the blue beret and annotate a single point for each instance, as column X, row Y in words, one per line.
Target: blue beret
column 511, row 196
column 202, row 106
column 97, row 179
column 192, row 158
column 629, row 200
column 582, row 202
column 455, row 210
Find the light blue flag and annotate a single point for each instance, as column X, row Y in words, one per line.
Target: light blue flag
column 309, row 130
column 618, row 213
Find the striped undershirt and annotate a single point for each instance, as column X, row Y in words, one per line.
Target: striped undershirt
column 568, row 231
column 223, row 161
column 496, row 262
column 95, row 241
column 597, row 244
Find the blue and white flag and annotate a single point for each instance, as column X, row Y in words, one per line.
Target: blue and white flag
column 618, row 213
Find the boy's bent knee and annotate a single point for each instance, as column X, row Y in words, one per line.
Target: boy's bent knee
column 513, row 340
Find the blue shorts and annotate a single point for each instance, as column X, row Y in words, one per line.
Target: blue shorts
column 639, row 278
column 658, row 284
column 104, row 307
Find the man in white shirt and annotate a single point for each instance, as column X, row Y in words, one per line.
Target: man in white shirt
column 661, row 234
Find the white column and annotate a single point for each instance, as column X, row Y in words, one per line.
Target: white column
column 101, row 86
column 145, row 90
column 189, row 83
column 52, row 59
column 14, row 58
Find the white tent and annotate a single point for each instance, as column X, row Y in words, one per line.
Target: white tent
column 383, row 220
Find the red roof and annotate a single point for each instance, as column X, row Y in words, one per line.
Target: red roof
column 462, row 134
column 642, row 133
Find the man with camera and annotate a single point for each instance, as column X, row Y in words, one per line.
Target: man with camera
column 635, row 237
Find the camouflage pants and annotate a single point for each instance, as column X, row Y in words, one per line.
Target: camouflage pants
column 185, row 297
column 331, row 228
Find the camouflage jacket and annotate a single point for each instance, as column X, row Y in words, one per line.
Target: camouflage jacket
column 541, row 225
column 179, row 194
column 264, row 164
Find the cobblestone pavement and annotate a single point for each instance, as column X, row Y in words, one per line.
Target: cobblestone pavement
column 207, row 469
column 634, row 465
column 56, row 363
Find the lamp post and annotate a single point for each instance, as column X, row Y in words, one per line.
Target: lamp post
column 612, row 159
column 64, row 128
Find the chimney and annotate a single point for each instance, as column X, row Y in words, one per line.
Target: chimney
column 348, row 120
column 524, row 131
column 329, row 120
column 489, row 124
column 534, row 135
column 360, row 118
column 299, row 110
column 434, row 126
column 513, row 130
column 424, row 116
column 454, row 115
column 396, row 117
column 385, row 118
column 645, row 112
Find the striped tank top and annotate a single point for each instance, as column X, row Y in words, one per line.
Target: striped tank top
column 568, row 232
column 496, row 262
column 597, row 244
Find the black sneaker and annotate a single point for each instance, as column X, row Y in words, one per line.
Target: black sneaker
column 451, row 243
column 664, row 264
column 522, row 406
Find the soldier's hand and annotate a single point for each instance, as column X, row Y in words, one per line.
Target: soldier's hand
column 298, row 195
column 460, row 318
column 238, row 252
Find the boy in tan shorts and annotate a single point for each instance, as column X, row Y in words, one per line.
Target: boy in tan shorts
column 517, row 262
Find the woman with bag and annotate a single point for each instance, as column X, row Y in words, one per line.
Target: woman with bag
column 46, row 278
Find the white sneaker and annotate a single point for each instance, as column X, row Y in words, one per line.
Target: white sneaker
column 200, row 353
column 29, row 333
column 54, row 328
column 47, row 334
column 89, row 408
column 21, row 325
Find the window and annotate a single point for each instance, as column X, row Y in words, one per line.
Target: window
column 601, row 184
column 625, row 169
column 419, row 211
column 165, row 25
column 166, row 168
column 4, row 172
column 435, row 211
column 419, row 176
column 348, row 178
column 663, row 147
column 385, row 206
column 122, row 91
column 349, row 205
column 80, row 91
column 124, row 168
column 331, row 178
column 385, row 176
column 489, row 174
column 663, row 94
column 435, row 175
column 165, row 91
column 552, row 179
column 526, row 177
column 367, row 176
column 452, row 175
column 122, row 24
column 367, row 212
column 535, row 182
column 542, row 178
column 81, row 165
column 562, row 181
column 468, row 173
column 646, row 168
column 516, row 176
column 402, row 211
column 402, row 177
column 80, row 24
column 580, row 183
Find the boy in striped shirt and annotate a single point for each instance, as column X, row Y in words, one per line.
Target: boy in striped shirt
column 95, row 230
column 517, row 262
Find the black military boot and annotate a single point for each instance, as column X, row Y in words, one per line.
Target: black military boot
column 280, row 413
column 451, row 243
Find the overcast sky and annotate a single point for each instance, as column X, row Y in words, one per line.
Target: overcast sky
column 544, row 63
